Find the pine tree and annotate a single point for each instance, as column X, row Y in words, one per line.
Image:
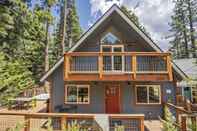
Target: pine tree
column 62, row 25
column 168, row 123
column 192, row 16
column 182, row 28
column 180, row 32
column 133, row 18
column 73, row 27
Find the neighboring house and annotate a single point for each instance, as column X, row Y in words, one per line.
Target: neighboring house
column 189, row 86
column 114, row 68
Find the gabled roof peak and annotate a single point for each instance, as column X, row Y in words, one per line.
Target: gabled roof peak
column 98, row 23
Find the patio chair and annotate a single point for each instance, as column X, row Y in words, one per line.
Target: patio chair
column 66, row 108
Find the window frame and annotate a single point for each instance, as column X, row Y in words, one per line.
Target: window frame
column 192, row 97
column 112, row 56
column 77, row 86
column 148, row 103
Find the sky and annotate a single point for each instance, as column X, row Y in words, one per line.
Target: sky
column 154, row 15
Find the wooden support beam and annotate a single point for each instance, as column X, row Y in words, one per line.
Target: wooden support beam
column 134, row 66
column 27, row 123
column 142, row 124
column 66, row 66
column 169, row 68
column 100, row 64
column 63, row 123
column 183, row 123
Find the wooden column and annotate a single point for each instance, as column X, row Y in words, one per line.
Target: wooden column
column 169, row 68
column 134, row 66
column 27, row 123
column 63, row 123
column 66, row 66
column 142, row 124
column 100, row 64
column 193, row 119
column 183, row 123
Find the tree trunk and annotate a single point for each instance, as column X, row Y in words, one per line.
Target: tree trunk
column 191, row 29
column 46, row 65
column 63, row 26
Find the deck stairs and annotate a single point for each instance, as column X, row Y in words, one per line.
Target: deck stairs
column 103, row 121
column 152, row 125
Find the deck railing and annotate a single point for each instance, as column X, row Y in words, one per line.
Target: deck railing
column 123, row 62
column 62, row 121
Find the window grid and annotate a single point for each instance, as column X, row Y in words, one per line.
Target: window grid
column 77, row 86
column 148, row 86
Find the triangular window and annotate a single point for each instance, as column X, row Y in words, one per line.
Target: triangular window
column 110, row 38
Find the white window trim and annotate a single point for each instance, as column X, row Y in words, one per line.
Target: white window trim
column 112, row 57
column 77, row 86
column 148, row 86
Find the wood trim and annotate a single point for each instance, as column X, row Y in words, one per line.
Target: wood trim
column 147, row 86
column 169, row 68
column 100, row 66
column 116, row 53
column 134, row 66
column 77, row 86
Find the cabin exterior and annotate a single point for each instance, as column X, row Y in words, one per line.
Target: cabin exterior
column 114, row 68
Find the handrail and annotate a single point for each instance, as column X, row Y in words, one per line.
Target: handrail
column 178, row 108
column 117, row 53
column 48, row 114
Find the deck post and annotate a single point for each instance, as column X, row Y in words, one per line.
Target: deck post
column 142, row 124
column 169, row 68
column 134, row 66
column 27, row 123
column 183, row 123
column 63, row 123
column 66, row 66
column 100, row 64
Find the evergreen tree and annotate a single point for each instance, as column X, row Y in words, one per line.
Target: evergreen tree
column 168, row 124
column 192, row 19
column 73, row 27
column 182, row 22
column 133, row 18
column 14, row 78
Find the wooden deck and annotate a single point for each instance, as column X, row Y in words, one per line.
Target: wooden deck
column 60, row 121
column 40, row 107
column 135, row 66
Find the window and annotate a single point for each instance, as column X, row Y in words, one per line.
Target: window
column 148, row 94
column 113, row 62
column 77, row 94
column 110, row 38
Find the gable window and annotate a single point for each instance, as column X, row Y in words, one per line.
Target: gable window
column 110, row 38
column 113, row 62
column 148, row 94
column 77, row 94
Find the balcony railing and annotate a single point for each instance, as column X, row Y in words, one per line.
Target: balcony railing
column 124, row 62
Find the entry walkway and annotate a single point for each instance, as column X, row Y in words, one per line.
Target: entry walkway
column 152, row 125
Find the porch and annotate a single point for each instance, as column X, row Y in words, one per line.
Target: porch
column 121, row 66
column 113, row 98
column 64, row 121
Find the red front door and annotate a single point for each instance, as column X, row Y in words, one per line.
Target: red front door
column 112, row 98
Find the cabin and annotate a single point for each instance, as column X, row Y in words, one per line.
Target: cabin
column 116, row 70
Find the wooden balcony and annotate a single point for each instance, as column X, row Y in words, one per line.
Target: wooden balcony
column 123, row 66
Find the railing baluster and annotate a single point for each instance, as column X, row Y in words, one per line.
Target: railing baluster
column 134, row 65
column 100, row 65
column 27, row 123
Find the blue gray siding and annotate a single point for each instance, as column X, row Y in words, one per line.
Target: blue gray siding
column 97, row 102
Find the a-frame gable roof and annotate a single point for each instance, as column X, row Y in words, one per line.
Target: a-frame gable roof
column 122, row 15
